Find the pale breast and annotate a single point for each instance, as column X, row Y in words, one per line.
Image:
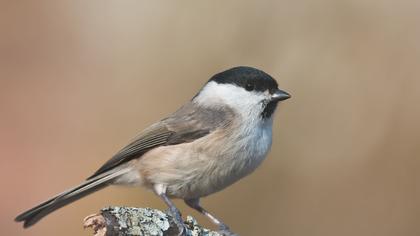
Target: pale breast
column 248, row 152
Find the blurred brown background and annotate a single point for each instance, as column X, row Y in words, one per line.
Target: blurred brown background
column 78, row 79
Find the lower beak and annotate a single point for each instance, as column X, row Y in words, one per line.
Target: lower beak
column 279, row 95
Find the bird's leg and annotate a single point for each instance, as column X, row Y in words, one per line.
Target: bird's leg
column 176, row 214
column 223, row 228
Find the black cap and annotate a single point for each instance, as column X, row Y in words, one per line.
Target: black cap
column 248, row 78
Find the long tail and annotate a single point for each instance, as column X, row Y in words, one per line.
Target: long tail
column 35, row 214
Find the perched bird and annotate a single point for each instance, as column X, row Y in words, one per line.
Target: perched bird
column 220, row 136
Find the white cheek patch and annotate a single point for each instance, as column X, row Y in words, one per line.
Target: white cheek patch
column 237, row 98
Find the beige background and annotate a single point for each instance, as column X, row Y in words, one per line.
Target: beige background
column 78, row 79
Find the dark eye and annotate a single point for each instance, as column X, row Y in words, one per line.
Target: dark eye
column 249, row 87
column 273, row 90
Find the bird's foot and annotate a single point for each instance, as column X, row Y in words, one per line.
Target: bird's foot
column 179, row 222
column 225, row 231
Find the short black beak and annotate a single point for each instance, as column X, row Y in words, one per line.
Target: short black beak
column 279, row 95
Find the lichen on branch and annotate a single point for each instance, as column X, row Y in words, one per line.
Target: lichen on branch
column 130, row 221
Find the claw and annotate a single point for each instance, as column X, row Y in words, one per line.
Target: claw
column 226, row 232
column 177, row 218
column 223, row 227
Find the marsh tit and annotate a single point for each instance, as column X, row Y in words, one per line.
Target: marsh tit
column 212, row 141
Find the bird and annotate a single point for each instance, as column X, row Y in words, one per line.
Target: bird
column 218, row 137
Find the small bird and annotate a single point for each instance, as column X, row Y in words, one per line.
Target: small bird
column 221, row 135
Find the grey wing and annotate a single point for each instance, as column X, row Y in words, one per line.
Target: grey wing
column 185, row 125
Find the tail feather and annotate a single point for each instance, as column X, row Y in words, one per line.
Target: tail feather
column 35, row 214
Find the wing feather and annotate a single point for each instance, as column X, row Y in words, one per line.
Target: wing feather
column 156, row 135
column 185, row 125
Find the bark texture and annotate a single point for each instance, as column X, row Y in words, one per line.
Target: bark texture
column 129, row 221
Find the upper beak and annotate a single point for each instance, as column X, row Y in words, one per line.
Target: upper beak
column 280, row 95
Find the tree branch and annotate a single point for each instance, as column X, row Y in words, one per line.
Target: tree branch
column 124, row 221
